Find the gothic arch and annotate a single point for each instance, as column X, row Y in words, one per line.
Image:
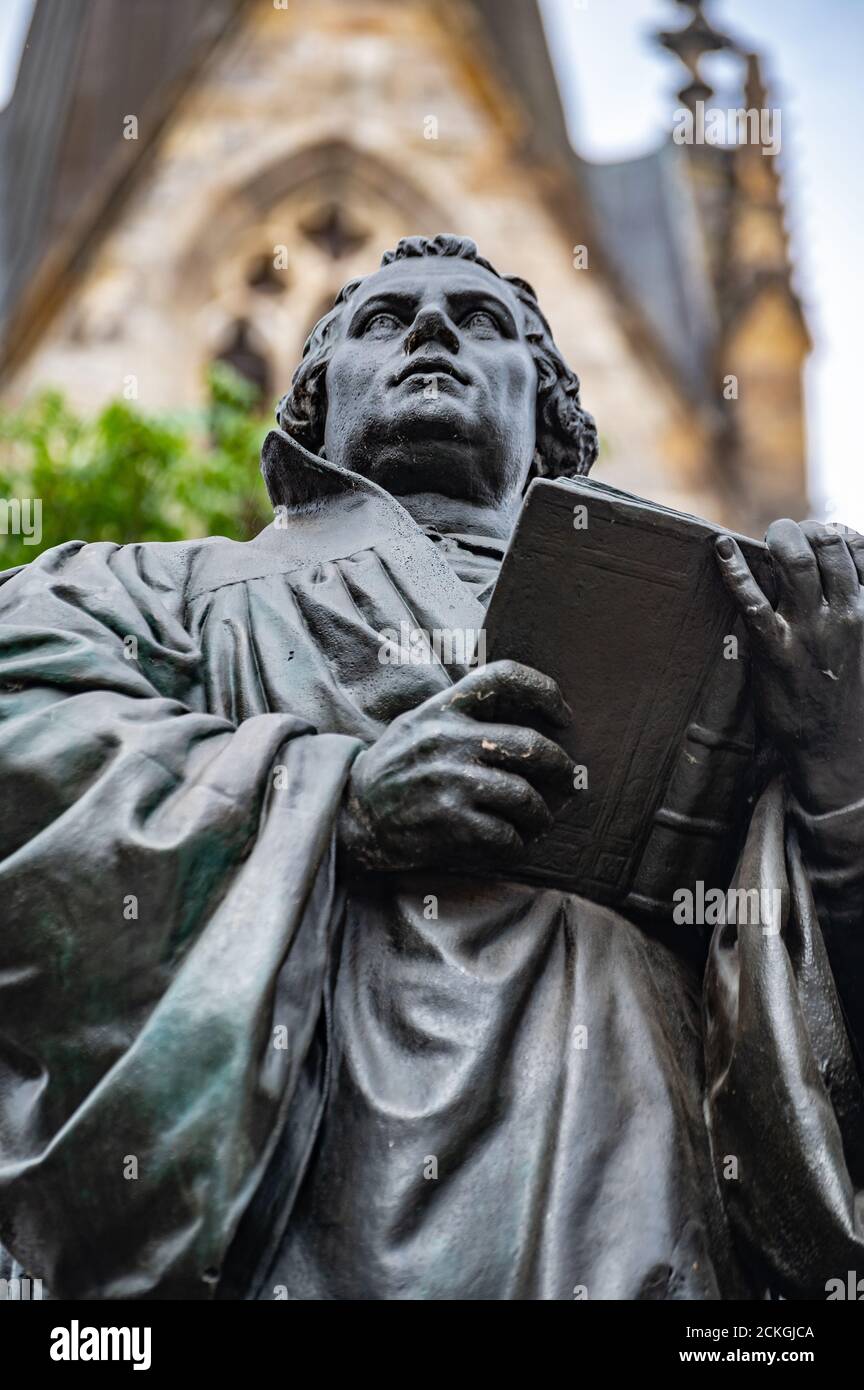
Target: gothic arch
column 272, row 250
column 338, row 166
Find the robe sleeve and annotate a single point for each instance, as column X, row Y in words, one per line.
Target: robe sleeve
column 832, row 848
column 784, row 1100
column 168, row 900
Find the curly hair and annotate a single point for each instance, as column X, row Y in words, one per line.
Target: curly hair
column 566, row 436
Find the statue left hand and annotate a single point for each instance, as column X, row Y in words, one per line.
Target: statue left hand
column 808, row 656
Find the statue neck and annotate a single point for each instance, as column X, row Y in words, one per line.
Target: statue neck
column 460, row 514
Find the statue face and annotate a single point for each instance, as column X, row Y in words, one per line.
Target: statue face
column 431, row 387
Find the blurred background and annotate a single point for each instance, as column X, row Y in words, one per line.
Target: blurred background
column 186, row 184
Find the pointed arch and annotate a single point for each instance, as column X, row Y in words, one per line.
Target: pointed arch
column 300, row 225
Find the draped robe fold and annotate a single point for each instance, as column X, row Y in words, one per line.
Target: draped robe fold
column 225, row 1070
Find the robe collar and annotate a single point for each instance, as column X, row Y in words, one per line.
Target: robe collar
column 297, row 479
column 324, row 513
column 300, row 482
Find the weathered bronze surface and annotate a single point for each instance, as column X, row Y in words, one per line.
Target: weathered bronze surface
column 266, row 1027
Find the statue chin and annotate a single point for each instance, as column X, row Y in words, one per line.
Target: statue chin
column 427, row 449
column 444, row 467
column 423, row 454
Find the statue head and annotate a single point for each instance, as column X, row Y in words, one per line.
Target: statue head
column 438, row 375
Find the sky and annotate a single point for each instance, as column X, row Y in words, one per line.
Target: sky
column 619, row 89
column 14, row 22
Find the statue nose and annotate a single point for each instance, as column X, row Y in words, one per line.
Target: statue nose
column 431, row 325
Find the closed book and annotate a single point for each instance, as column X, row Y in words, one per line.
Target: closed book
column 621, row 601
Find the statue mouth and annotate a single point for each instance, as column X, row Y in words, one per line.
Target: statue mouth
column 430, row 366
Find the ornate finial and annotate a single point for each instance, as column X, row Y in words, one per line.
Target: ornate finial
column 755, row 93
column 690, row 44
column 334, row 231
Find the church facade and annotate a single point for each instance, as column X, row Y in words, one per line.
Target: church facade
column 194, row 183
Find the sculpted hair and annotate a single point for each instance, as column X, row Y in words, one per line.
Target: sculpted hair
column 566, row 438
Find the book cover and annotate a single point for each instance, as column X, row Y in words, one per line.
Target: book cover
column 622, row 603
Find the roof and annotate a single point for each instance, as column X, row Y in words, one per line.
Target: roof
column 646, row 219
column 86, row 65
column 64, row 165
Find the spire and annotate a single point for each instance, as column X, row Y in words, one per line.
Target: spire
column 761, row 337
column 758, row 239
column 690, row 45
column 755, row 91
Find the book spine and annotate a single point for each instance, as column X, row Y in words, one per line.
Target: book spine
column 696, row 830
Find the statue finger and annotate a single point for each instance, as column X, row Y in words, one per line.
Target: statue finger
column 855, row 545
column 513, row 799
column 754, row 607
column 525, row 752
column 499, row 840
column 836, row 567
column 799, row 583
column 510, row 691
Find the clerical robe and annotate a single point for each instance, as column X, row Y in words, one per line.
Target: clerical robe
column 229, row 1069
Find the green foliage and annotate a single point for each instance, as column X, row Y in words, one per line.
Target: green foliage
column 126, row 476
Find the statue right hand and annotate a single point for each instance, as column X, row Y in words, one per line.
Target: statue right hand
column 463, row 781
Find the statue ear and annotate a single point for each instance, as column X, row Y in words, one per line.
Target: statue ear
column 547, row 377
column 536, row 470
column 281, row 410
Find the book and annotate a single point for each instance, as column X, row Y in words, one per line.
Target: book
column 621, row 601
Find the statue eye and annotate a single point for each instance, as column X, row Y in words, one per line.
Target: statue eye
column 381, row 325
column 481, row 322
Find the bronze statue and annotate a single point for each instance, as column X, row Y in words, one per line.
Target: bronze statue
column 267, row 1029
